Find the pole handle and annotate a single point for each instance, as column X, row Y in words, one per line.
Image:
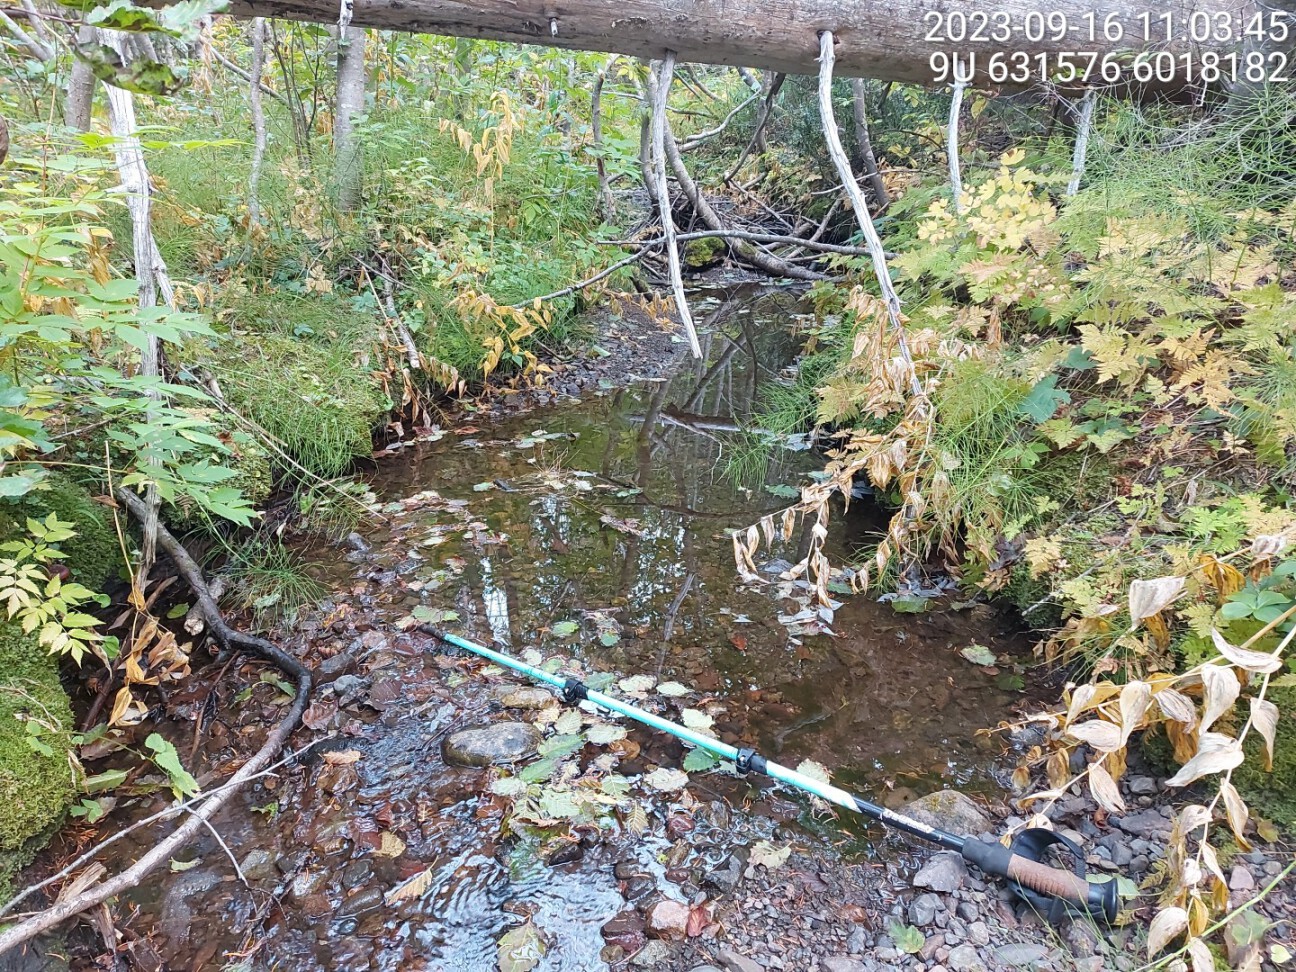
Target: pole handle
column 1099, row 900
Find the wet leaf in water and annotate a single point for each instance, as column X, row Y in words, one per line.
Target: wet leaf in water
column 568, row 723
column 666, row 780
column 565, row 628
column 637, row 685
column 700, row 760
column 637, row 819
column 184, row 865
column 814, row 770
column 428, row 615
column 390, row 845
column 630, row 526
column 602, row 735
column 167, row 759
column 699, row 917
column 608, row 638
column 319, row 714
column 539, row 771
column 978, row 655
column 696, row 720
column 509, row 786
column 765, row 853
column 342, row 757
column 673, row 689
column 739, row 641
column 521, row 949
column 782, row 490
column 415, row 887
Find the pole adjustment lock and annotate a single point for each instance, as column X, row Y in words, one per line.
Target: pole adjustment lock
column 574, row 691
column 749, row 761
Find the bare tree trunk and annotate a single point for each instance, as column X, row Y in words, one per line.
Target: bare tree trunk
column 596, row 126
column 78, row 108
column 150, row 270
column 868, row 161
column 879, row 38
column 351, row 78
column 258, row 120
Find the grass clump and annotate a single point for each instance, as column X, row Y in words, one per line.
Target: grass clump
column 271, row 581
column 298, row 370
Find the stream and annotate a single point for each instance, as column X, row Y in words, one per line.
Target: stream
column 596, row 529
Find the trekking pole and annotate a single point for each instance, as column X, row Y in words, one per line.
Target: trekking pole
column 1051, row 890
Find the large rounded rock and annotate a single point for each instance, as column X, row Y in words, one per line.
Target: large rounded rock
column 500, row 742
column 949, row 810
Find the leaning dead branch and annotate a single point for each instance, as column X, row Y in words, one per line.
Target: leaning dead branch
column 748, row 254
column 757, row 140
column 693, row 141
column 1083, row 129
column 864, row 144
column 200, row 815
column 871, row 237
column 596, row 129
column 659, row 90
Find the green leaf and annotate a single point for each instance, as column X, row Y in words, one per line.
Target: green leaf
column 177, row 611
column 430, row 615
column 559, row 746
column 978, row 655
column 907, row 938
column 564, row 629
column 539, row 771
column 1043, row 401
column 167, row 759
column 700, row 761
column 521, row 949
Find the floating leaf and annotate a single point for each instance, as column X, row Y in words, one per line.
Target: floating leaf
column 769, row 856
column 636, row 819
column 408, row 890
column 521, row 949
column 666, row 780
column 673, row 689
column 389, row 845
column 185, row 865
column 509, row 786
column 560, row 746
column 567, row 723
column 700, row 760
column 696, row 720
column 604, row 733
column 429, row 615
column 1149, row 597
column 814, row 770
column 637, row 684
column 565, row 628
column 978, row 655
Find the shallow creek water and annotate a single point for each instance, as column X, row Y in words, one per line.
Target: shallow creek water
column 611, row 514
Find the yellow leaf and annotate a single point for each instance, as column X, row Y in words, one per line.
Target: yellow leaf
column 1237, row 813
column 1104, row 789
column 415, row 887
column 390, row 845
column 1215, row 754
column 1264, row 717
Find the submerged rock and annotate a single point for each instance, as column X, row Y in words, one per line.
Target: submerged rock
column 525, row 697
column 501, row 742
column 949, row 810
column 668, row 919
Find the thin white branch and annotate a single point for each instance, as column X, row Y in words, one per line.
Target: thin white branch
column 258, row 120
column 1082, row 140
column 871, row 238
column 659, row 91
column 952, row 135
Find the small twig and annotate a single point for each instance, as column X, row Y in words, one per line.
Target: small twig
column 952, row 135
column 693, row 141
column 1082, row 140
column 228, row 853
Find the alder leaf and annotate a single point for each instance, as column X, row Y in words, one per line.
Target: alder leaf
column 1251, row 661
column 521, row 949
column 666, row 780
column 1168, row 924
column 696, row 720
column 1149, row 597
column 673, row 689
column 604, row 733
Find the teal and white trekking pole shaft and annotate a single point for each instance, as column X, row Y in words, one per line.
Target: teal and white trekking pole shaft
column 1030, row 876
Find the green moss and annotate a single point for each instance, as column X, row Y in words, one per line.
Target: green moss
column 1272, row 794
column 298, row 369
column 700, row 254
column 35, row 787
column 94, row 554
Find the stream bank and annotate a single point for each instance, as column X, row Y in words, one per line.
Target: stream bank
column 594, row 532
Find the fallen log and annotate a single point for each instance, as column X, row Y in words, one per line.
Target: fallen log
column 883, row 39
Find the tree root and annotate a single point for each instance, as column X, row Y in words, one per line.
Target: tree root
column 199, row 815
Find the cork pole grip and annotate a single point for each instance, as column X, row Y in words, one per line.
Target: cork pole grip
column 1049, row 880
